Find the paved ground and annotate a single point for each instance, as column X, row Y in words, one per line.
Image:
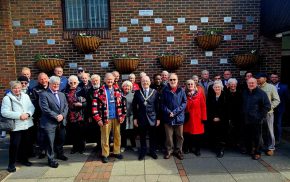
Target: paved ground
column 88, row 167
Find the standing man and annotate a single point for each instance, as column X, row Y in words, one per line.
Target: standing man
column 109, row 110
column 173, row 104
column 117, row 81
column 205, row 82
column 254, row 109
column 58, row 71
column 146, row 118
column 279, row 111
column 271, row 91
column 227, row 75
column 31, row 83
column 54, row 109
column 164, row 77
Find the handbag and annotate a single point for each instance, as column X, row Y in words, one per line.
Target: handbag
column 7, row 124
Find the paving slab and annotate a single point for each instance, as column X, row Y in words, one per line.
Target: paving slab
column 203, row 166
column 279, row 163
column 64, row 171
column 211, row 178
column 259, row 177
column 33, row 172
column 160, row 166
column 21, row 180
column 146, row 178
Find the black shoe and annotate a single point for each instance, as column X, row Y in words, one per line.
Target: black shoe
column 220, row 154
column 11, row 169
column 118, row 156
column 141, row 157
column 73, row 151
column 153, row 155
column 197, row 152
column 81, row 151
column 41, row 156
column 105, row 159
column 186, row 151
column 53, row 164
column 179, row 155
column 62, row 157
column 26, row 163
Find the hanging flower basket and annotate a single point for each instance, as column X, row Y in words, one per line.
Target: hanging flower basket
column 171, row 62
column 208, row 42
column 126, row 65
column 245, row 60
column 48, row 64
column 87, row 44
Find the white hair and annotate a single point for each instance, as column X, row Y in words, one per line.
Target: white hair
column 73, row 78
column 218, row 83
column 233, row 80
column 14, row 84
column 54, row 79
column 132, row 75
column 127, row 82
column 95, row 76
column 195, row 77
column 165, row 72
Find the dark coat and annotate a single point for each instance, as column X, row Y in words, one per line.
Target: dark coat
column 217, row 108
column 234, row 100
column 284, row 97
column 149, row 113
column 255, row 107
column 173, row 102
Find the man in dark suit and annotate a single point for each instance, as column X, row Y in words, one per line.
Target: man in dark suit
column 280, row 109
column 146, row 118
column 54, row 109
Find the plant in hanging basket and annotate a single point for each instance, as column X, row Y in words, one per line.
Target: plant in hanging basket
column 87, row 43
column 209, row 39
column 246, row 59
column 126, row 63
column 171, row 60
column 47, row 63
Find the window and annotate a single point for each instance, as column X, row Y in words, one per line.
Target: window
column 86, row 14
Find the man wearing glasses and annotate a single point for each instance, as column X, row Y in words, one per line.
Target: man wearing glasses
column 24, row 83
column 173, row 104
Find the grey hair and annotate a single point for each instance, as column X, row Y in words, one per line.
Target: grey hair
column 190, row 81
column 233, row 80
column 165, row 72
column 195, row 76
column 132, row 75
column 54, row 79
column 88, row 75
column 95, row 76
column 127, row 82
column 204, row 72
column 218, row 83
column 143, row 74
column 73, row 78
column 13, row 84
column 107, row 75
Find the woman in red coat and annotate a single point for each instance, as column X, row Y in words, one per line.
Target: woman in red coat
column 196, row 112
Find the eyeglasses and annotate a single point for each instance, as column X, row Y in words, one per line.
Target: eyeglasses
column 80, row 71
column 73, row 83
column 172, row 80
column 190, row 84
column 24, row 83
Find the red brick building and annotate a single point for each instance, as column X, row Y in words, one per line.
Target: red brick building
column 143, row 27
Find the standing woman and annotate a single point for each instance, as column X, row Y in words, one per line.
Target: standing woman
column 17, row 105
column 135, row 85
column 196, row 111
column 76, row 103
column 217, row 118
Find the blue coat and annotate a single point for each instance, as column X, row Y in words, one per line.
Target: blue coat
column 173, row 102
column 284, row 96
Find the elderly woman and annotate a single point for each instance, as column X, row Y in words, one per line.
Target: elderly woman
column 217, row 117
column 199, row 87
column 17, row 105
column 196, row 111
column 76, row 122
column 132, row 79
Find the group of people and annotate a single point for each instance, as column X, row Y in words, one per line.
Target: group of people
column 177, row 119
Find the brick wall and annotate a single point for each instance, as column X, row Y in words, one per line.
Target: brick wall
column 32, row 14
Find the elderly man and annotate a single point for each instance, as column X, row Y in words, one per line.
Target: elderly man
column 164, row 77
column 146, row 118
column 205, row 82
column 227, row 75
column 271, row 91
column 173, row 104
column 109, row 110
column 254, row 109
column 54, row 107
column 117, row 80
column 31, row 83
column 58, row 71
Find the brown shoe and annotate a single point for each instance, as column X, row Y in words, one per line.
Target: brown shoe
column 270, row 152
column 180, row 156
column 256, row 157
column 167, row 156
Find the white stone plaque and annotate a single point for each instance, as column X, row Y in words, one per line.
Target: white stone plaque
column 124, row 39
column 227, row 37
column 170, row 39
column 125, row 76
column 250, row 37
column 204, row 19
column 180, row 20
column 16, row 23
column 227, row 19
column 48, row 22
column 123, row 29
column 249, row 18
column 50, row 41
column 170, row 28
column 146, row 39
column 146, row 29
column 33, row 31
column 104, row 64
column 73, row 65
column 134, row 21
column 157, row 20
column 145, row 12
column 18, row 42
column 193, row 61
column 223, row 61
column 208, row 53
column 242, row 73
column 192, row 27
column 89, row 56
column 239, row 27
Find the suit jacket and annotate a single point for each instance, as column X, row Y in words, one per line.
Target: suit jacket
column 50, row 109
column 284, row 96
column 149, row 113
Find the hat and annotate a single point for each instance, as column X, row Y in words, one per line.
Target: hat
column 80, row 69
column 259, row 75
column 23, row 78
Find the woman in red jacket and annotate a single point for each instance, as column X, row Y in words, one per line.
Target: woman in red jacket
column 196, row 114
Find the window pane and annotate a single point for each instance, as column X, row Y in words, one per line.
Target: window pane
column 98, row 14
column 75, row 14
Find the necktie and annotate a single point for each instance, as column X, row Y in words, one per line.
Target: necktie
column 57, row 98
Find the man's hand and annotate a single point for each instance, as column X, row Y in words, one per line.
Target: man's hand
column 59, row 118
column 171, row 114
column 216, row 119
column 24, row 116
column 157, row 122
column 78, row 104
column 100, row 123
column 135, row 122
column 122, row 120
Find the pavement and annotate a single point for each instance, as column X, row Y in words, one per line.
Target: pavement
column 206, row 168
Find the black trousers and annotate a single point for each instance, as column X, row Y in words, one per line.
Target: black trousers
column 191, row 141
column 55, row 138
column 151, row 130
column 218, row 135
column 254, row 139
column 18, row 142
column 78, row 134
column 127, row 134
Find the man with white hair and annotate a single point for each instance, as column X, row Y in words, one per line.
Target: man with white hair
column 164, row 77
column 54, row 107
